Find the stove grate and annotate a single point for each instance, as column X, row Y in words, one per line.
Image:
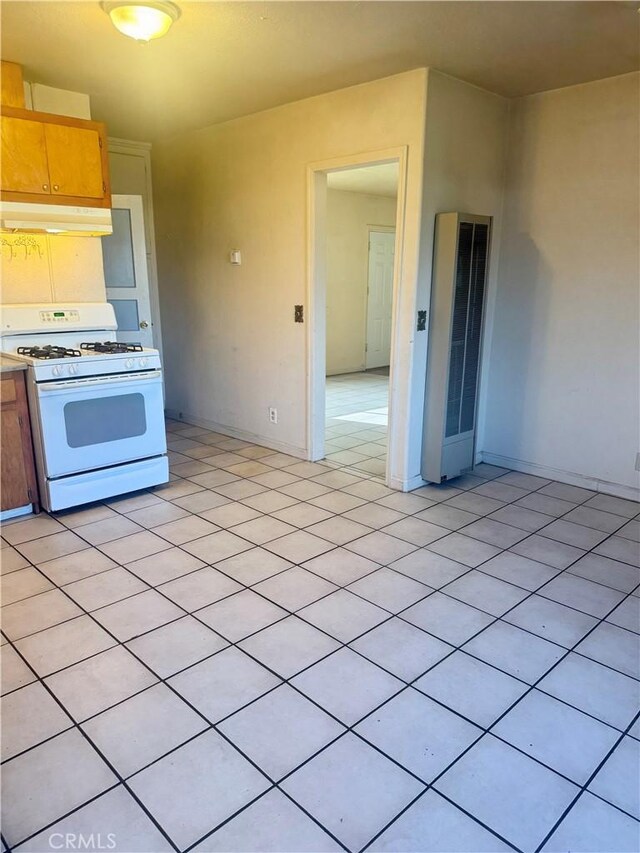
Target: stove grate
column 49, row 351
column 110, row 347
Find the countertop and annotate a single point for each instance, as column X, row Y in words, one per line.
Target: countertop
column 8, row 364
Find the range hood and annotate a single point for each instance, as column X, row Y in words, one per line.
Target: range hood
column 18, row 217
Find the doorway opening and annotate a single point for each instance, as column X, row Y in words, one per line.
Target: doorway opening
column 356, row 269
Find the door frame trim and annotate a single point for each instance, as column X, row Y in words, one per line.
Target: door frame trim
column 142, row 150
column 134, row 202
column 400, row 361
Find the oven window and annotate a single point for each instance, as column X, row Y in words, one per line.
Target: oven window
column 103, row 419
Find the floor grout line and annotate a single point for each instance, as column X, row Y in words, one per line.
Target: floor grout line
column 390, row 615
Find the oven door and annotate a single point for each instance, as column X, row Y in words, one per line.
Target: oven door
column 99, row 421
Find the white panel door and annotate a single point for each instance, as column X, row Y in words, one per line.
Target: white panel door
column 380, row 298
column 124, row 256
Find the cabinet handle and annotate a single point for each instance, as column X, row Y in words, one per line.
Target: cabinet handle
column 56, row 187
column 45, row 187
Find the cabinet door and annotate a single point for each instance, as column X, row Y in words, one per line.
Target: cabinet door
column 17, row 475
column 15, row 487
column 24, row 156
column 75, row 161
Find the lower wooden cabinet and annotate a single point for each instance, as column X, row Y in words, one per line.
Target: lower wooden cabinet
column 18, row 485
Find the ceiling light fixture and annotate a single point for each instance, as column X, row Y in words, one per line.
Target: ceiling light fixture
column 142, row 20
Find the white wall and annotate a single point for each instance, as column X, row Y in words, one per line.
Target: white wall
column 465, row 151
column 349, row 215
column 62, row 102
column 231, row 346
column 563, row 383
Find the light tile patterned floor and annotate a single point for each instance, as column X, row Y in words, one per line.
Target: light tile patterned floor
column 268, row 655
column 357, row 421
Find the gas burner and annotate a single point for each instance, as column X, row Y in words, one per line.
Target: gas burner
column 111, row 347
column 49, row 351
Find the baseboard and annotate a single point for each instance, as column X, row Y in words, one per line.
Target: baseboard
column 570, row 477
column 407, row 485
column 244, row 435
column 18, row 512
column 344, row 371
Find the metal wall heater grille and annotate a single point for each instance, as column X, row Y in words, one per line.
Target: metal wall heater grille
column 466, row 328
column 461, row 254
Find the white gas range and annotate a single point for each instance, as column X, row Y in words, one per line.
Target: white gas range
column 97, row 408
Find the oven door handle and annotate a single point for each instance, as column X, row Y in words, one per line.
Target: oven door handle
column 91, row 382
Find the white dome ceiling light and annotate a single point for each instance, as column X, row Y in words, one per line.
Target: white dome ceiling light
column 142, row 21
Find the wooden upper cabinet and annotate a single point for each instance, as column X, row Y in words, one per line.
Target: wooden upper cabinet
column 75, row 162
column 11, row 85
column 53, row 159
column 24, row 156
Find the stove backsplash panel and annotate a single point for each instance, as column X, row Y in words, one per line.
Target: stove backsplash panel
column 51, row 268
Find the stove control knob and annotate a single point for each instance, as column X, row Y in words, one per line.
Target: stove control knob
column 129, row 363
column 73, row 369
column 57, row 370
column 143, row 362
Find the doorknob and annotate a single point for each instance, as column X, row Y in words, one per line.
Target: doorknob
column 144, row 324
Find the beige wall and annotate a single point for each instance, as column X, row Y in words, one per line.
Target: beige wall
column 231, row 346
column 465, row 151
column 563, row 381
column 349, row 215
column 37, row 268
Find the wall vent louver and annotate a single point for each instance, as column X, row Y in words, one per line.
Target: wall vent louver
column 455, row 340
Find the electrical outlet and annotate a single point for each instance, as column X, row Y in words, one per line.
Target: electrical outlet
column 637, row 461
column 273, row 415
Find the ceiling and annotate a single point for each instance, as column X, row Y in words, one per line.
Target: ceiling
column 222, row 60
column 373, row 180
